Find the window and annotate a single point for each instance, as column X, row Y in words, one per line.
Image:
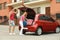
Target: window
column 37, row 10
column 51, row 19
column 1, row 17
column 15, row 0
column 0, row 6
column 26, row 1
column 58, row 15
column 57, row 0
column 4, row 5
column 47, row 18
column 43, row 17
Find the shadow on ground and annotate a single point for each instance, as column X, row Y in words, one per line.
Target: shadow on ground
column 33, row 34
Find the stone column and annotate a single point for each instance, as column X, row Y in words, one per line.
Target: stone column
column 18, row 16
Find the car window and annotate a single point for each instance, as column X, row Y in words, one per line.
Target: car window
column 47, row 18
column 43, row 17
column 51, row 19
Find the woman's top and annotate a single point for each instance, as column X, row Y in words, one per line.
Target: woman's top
column 22, row 18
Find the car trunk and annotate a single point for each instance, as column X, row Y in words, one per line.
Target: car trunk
column 31, row 12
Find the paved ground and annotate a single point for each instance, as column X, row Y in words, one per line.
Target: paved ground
column 4, row 35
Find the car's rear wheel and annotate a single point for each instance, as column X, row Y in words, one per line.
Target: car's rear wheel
column 57, row 29
column 39, row 31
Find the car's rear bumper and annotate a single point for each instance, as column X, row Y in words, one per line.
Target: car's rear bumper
column 30, row 29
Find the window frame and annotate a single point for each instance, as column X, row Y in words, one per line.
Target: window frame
column 1, row 6
column 51, row 19
column 43, row 17
column 48, row 18
column 4, row 5
column 37, row 9
column 58, row 1
column 15, row 0
column 57, row 16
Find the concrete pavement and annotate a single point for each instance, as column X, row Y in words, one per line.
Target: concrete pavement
column 4, row 35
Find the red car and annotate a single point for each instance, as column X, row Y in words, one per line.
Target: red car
column 40, row 23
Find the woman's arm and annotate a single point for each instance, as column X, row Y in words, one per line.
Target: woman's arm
column 26, row 19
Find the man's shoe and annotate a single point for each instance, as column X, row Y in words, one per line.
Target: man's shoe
column 13, row 33
column 10, row 33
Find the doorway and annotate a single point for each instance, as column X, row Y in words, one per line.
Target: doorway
column 47, row 10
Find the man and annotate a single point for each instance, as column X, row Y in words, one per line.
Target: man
column 11, row 22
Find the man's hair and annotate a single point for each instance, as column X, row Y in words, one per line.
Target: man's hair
column 15, row 10
column 11, row 7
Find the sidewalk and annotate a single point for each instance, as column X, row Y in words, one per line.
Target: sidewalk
column 5, row 28
column 4, row 35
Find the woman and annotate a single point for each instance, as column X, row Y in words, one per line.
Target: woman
column 22, row 22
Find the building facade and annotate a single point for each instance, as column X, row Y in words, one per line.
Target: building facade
column 48, row 7
column 3, row 9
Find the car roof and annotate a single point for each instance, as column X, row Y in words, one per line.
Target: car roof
column 40, row 14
